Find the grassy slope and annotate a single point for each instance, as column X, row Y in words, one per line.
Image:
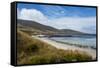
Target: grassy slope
column 35, row 27
column 33, row 51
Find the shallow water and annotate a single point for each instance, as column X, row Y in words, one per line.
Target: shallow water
column 89, row 41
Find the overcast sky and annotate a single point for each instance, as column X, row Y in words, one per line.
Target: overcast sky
column 61, row 17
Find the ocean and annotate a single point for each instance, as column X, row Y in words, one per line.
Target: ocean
column 83, row 41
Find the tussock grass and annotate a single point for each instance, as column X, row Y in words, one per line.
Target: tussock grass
column 34, row 51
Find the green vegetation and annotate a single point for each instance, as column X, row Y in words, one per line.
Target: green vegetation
column 34, row 51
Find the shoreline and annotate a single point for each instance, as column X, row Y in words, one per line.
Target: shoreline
column 77, row 45
column 63, row 46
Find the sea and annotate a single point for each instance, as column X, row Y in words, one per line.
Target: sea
column 83, row 41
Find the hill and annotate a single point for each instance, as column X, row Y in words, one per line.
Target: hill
column 37, row 28
column 36, row 25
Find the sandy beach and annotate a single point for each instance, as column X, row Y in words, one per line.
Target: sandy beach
column 58, row 45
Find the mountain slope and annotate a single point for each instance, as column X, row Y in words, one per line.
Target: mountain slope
column 71, row 32
column 37, row 28
column 36, row 25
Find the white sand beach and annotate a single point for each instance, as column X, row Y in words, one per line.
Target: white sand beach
column 58, row 45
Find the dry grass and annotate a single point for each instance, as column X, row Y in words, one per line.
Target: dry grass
column 33, row 51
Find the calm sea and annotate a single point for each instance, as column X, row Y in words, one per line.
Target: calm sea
column 89, row 41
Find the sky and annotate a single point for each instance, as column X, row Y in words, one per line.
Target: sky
column 61, row 17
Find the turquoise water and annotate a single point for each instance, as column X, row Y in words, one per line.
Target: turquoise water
column 82, row 41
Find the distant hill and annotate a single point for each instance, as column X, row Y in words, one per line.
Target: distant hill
column 71, row 32
column 37, row 28
column 36, row 25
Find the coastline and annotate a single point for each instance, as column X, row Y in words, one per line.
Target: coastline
column 58, row 45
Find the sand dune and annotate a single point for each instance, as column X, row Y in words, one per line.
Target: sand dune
column 58, row 45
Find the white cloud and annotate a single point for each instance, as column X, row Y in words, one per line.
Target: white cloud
column 84, row 24
column 32, row 14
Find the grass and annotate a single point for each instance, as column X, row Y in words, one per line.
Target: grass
column 34, row 51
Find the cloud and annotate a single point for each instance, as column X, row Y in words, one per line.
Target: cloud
column 32, row 14
column 83, row 24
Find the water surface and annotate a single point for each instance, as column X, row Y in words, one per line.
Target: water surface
column 89, row 41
